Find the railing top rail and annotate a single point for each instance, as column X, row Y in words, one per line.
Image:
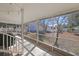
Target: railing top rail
column 7, row 34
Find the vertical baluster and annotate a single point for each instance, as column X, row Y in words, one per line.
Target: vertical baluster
column 17, row 46
column 10, row 42
column 13, row 45
column 7, row 42
column 3, row 44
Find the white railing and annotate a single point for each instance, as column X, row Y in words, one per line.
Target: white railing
column 11, row 44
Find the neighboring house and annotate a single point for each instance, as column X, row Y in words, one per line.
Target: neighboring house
column 32, row 27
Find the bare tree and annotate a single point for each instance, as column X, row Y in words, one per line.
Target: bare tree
column 59, row 29
column 57, row 34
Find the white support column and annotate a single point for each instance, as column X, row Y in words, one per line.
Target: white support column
column 37, row 30
column 7, row 36
column 16, row 40
column 22, row 29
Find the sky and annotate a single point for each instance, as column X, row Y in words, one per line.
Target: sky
column 54, row 21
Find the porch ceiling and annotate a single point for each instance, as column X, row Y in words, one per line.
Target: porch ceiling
column 10, row 12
